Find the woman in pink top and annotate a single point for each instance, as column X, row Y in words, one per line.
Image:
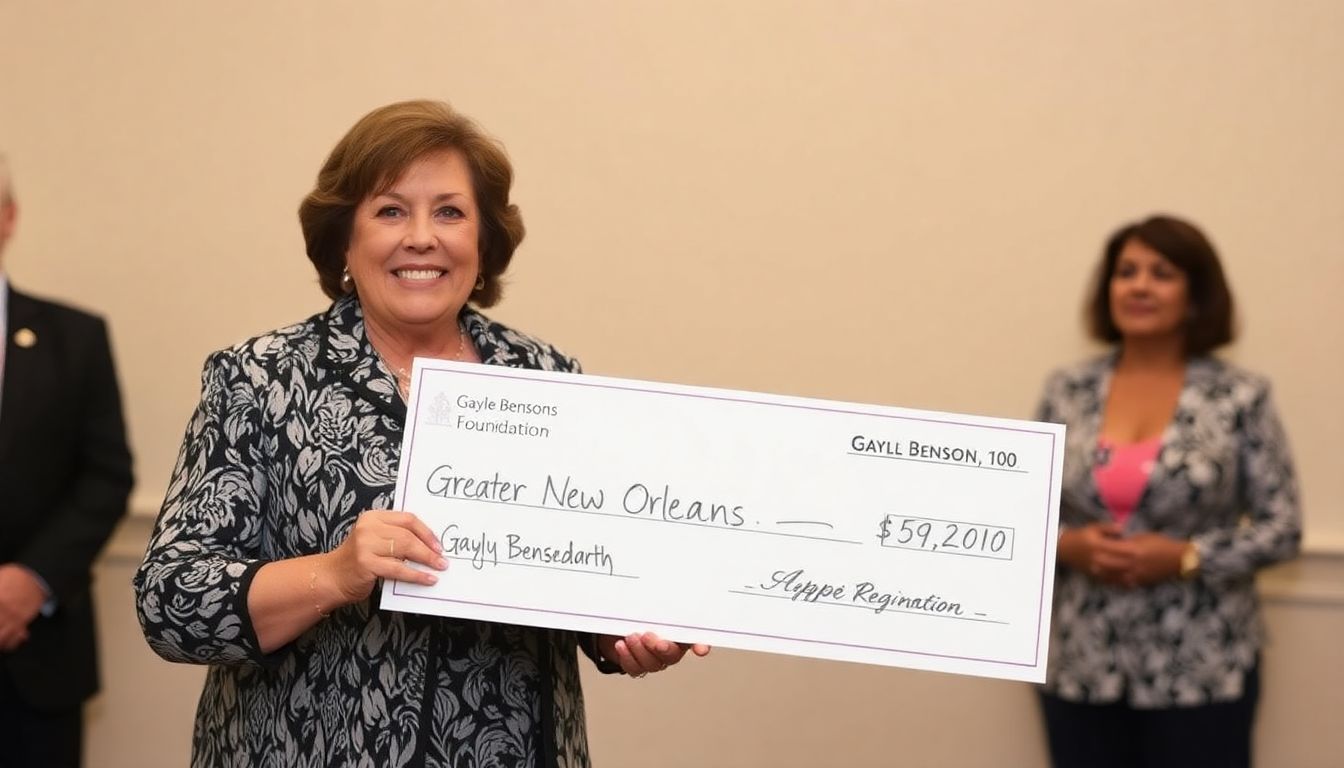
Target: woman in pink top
column 1178, row 486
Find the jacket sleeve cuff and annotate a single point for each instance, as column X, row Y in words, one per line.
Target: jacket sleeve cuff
column 250, row 639
column 590, row 648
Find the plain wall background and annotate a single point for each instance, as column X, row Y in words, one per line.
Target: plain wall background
column 890, row 202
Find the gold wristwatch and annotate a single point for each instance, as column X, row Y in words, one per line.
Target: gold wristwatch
column 1190, row 561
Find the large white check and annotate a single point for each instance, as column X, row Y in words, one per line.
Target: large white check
column 810, row 527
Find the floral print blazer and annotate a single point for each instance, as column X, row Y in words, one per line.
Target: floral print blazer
column 1223, row 479
column 297, row 432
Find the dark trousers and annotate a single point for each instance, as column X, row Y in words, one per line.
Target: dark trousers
column 33, row 739
column 1119, row 736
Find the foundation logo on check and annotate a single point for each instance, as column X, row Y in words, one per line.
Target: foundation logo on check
column 489, row 413
column 441, row 410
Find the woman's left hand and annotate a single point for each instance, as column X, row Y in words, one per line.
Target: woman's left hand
column 1157, row 558
column 643, row 652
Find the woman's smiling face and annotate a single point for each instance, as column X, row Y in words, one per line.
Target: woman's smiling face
column 414, row 248
column 1149, row 294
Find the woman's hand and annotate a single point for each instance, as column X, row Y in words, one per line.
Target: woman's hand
column 379, row 546
column 642, row 653
column 1097, row 550
column 1157, row 558
column 1138, row 561
column 289, row 596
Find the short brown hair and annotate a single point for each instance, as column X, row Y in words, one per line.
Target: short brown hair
column 1210, row 323
column 372, row 156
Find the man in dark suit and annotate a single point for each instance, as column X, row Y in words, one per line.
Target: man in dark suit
column 65, row 475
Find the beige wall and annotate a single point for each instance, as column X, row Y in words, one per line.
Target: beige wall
column 893, row 202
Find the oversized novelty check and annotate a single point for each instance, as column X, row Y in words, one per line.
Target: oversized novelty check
column 809, row 527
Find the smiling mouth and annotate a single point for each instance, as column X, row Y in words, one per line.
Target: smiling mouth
column 419, row 274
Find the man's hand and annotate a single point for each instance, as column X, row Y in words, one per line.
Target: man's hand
column 21, row 597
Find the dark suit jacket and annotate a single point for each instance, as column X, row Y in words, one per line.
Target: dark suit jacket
column 65, row 475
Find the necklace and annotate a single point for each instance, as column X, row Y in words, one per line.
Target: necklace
column 403, row 376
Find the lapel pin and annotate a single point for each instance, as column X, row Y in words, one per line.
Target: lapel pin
column 24, row 337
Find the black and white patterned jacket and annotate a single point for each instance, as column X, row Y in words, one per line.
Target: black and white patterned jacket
column 1224, row 479
column 297, row 432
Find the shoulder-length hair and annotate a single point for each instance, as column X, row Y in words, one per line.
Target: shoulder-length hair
column 1211, row 321
column 370, row 158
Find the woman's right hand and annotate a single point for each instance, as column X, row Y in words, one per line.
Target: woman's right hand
column 1097, row 550
column 380, row 546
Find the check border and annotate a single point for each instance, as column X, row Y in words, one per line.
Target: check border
column 581, row 381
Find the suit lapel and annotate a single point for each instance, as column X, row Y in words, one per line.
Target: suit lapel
column 22, row 369
column 1176, row 440
column 346, row 351
column 1090, row 430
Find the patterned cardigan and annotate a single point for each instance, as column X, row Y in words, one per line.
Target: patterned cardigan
column 296, row 433
column 1223, row 479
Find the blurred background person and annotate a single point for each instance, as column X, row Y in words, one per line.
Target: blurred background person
column 276, row 530
column 65, row 477
column 1178, row 487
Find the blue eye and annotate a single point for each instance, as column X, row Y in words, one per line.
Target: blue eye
column 388, row 211
column 451, row 212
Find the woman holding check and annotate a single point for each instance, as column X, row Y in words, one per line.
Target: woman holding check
column 276, row 530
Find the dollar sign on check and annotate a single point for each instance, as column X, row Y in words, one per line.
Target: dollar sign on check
column 886, row 521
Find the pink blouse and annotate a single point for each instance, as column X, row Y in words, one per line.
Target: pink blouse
column 1121, row 473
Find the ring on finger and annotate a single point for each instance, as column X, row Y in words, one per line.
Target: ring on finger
column 392, row 548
